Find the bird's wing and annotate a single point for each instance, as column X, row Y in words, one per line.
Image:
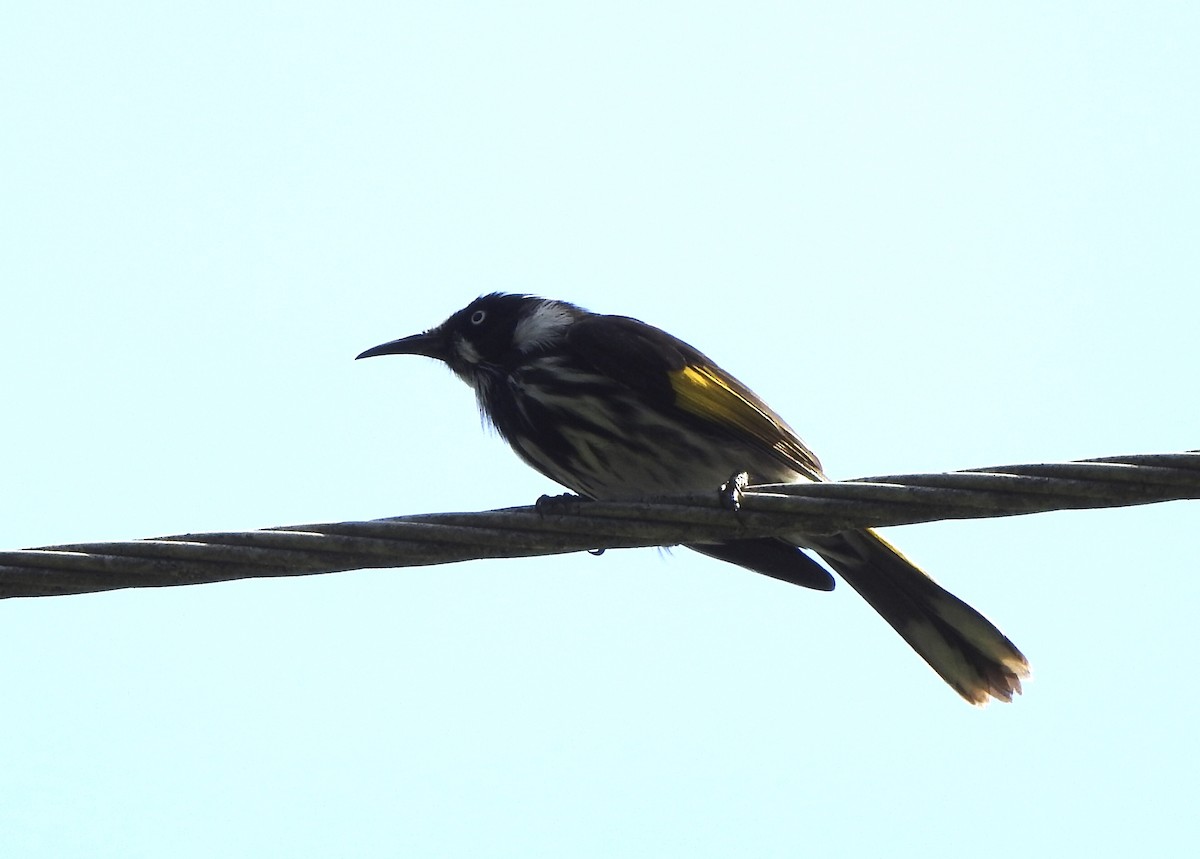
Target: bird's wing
column 669, row 373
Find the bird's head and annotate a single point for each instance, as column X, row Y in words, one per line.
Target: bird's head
column 493, row 333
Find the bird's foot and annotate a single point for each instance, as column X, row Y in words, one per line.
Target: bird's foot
column 564, row 503
column 730, row 495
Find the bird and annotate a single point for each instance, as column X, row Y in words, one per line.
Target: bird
column 615, row 409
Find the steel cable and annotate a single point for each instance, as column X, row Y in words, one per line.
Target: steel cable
column 555, row 526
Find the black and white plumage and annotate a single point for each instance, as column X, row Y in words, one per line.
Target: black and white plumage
column 615, row 409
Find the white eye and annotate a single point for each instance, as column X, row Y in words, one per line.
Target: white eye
column 478, row 316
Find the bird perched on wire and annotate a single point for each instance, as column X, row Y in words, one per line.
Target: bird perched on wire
column 615, row 409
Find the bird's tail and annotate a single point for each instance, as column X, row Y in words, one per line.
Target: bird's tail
column 959, row 643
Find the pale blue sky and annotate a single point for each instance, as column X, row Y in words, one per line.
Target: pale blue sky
column 931, row 236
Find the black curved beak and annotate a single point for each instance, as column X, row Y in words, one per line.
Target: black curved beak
column 431, row 344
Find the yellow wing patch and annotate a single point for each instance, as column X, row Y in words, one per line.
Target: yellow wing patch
column 702, row 392
column 717, row 397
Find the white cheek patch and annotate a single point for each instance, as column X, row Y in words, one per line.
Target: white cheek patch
column 467, row 353
column 543, row 326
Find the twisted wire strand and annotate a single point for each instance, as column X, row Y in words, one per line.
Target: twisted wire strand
column 571, row 525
